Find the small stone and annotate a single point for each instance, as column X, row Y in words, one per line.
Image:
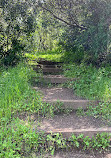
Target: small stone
column 108, row 156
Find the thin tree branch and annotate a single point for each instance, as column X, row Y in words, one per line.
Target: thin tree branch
column 73, row 25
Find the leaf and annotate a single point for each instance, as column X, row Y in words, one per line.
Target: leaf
column 52, row 152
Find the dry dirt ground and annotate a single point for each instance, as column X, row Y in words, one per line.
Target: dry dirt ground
column 74, row 154
column 59, row 93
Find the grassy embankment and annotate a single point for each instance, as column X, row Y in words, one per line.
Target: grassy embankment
column 93, row 84
column 18, row 98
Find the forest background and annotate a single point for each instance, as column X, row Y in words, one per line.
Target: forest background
column 79, row 29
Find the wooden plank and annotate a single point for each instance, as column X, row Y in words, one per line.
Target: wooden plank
column 67, row 132
column 57, row 79
column 73, row 104
column 52, row 70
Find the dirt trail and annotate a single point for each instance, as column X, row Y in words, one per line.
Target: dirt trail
column 58, row 93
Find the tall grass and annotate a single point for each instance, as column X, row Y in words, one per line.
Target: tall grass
column 16, row 93
column 17, row 139
column 92, row 83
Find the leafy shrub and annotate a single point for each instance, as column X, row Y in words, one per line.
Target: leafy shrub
column 12, row 56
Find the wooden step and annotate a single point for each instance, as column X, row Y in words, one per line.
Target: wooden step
column 67, row 132
column 68, row 124
column 57, row 79
column 52, row 70
column 48, row 62
column 72, row 104
column 49, row 70
column 49, row 66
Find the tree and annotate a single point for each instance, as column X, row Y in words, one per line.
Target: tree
column 17, row 19
column 87, row 24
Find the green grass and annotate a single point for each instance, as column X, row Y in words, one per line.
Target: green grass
column 15, row 91
column 54, row 55
column 91, row 83
column 16, row 97
column 17, row 139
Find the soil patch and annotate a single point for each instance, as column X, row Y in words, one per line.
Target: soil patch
column 76, row 154
column 68, row 121
column 58, row 93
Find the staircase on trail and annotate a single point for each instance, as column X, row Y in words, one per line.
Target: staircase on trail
column 66, row 124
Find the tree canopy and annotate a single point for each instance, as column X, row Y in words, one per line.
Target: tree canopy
column 76, row 25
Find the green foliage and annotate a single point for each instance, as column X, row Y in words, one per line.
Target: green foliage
column 91, row 83
column 94, row 40
column 99, row 142
column 73, row 56
column 17, row 95
column 17, row 22
column 18, row 140
column 53, row 55
column 55, row 141
column 102, row 110
column 12, row 56
column 47, row 32
column 14, row 92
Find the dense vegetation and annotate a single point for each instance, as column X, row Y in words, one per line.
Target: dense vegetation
column 78, row 33
column 79, row 28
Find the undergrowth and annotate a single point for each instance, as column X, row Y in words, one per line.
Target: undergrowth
column 20, row 140
column 53, row 55
column 90, row 83
column 94, row 84
column 17, row 96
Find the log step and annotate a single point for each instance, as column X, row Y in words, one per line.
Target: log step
column 72, row 104
column 67, row 132
column 52, row 70
column 68, row 124
column 48, row 62
column 57, row 79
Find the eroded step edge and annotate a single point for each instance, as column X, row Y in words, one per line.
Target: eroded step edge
column 57, row 79
column 67, row 132
column 73, row 104
column 52, row 70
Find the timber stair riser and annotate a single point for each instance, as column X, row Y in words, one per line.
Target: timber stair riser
column 67, row 132
column 52, row 70
column 56, row 80
column 72, row 104
column 48, row 66
column 48, row 70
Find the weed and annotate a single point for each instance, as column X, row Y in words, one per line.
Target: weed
column 55, row 141
column 93, row 84
column 80, row 112
column 16, row 96
column 101, row 110
column 54, row 55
